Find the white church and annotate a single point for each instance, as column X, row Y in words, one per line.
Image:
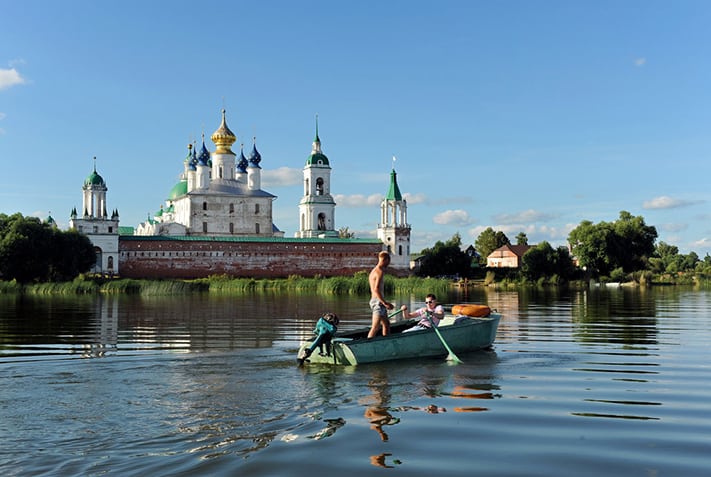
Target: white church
column 219, row 195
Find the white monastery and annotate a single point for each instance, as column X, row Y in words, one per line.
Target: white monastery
column 219, row 195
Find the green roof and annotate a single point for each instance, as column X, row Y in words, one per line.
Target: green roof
column 95, row 179
column 197, row 238
column 178, row 190
column 394, row 191
column 317, row 159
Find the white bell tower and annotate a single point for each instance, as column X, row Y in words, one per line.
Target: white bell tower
column 317, row 207
column 393, row 229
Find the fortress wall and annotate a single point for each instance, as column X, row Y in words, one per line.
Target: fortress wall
column 166, row 258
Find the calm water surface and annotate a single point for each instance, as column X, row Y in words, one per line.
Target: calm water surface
column 608, row 382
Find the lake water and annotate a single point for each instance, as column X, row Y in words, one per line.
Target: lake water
column 612, row 382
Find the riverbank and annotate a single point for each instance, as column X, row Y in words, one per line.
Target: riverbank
column 353, row 285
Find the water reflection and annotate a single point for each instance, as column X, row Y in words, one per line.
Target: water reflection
column 377, row 404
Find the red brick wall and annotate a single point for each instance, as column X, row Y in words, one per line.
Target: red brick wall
column 166, row 258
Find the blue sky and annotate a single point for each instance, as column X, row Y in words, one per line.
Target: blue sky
column 525, row 116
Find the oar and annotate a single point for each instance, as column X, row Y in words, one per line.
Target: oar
column 451, row 356
column 394, row 313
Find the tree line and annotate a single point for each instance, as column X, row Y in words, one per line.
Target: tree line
column 36, row 251
column 616, row 251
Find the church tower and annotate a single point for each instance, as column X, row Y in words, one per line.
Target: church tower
column 94, row 222
column 393, row 229
column 317, row 207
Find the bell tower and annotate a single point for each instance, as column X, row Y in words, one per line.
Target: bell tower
column 317, row 207
column 393, row 229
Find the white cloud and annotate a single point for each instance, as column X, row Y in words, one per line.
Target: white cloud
column 671, row 227
column 10, row 77
column 418, row 198
column 639, row 62
column 283, row 176
column 703, row 244
column 666, row 202
column 453, row 217
column 524, row 217
column 357, row 200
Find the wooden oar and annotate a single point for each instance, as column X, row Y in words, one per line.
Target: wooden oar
column 451, row 356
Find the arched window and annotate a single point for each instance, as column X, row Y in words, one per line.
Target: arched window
column 204, row 206
column 321, row 221
column 232, row 208
column 256, row 228
column 319, row 186
column 256, row 208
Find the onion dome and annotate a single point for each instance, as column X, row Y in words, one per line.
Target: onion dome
column 317, row 158
column 223, row 137
column 242, row 162
column 254, row 157
column 94, row 180
column 204, row 156
column 189, row 157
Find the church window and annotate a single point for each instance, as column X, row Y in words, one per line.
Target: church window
column 111, row 230
column 204, row 206
column 220, row 172
column 256, row 208
column 256, row 228
column 232, row 228
column 399, row 250
column 322, row 221
column 319, row 186
column 96, row 229
column 232, row 208
column 204, row 227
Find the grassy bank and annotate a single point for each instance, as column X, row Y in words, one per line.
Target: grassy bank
column 353, row 285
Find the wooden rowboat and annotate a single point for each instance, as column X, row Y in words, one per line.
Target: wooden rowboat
column 461, row 333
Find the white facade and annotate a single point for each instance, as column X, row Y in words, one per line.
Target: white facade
column 102, row 230
column 393, row 229
column 317, row 207
column 216, row 195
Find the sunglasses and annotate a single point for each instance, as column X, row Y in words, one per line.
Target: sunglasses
column 429, row 301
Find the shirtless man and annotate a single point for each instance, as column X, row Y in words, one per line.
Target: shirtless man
column 377, row 302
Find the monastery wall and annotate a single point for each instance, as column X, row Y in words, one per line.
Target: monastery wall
column 199, row 257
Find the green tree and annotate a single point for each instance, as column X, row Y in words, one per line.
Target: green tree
column 445, row 259
column 488, row 241
column 589, row 245
column 627, row 244
column 344, row 232
column 543, row 261
column 34, row 251
column 521, row 239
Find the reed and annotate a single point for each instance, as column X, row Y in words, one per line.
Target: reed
column 339, row 285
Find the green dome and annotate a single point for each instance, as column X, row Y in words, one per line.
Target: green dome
column 178, row 190
column 94, row 179
column 317, row 159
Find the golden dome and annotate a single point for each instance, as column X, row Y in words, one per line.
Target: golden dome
column 223, row 137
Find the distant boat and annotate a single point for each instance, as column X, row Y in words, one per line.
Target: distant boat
column 461, row 333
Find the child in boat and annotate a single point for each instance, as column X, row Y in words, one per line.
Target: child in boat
column 431, row 309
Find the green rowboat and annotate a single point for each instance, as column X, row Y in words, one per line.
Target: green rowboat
column 462, row 334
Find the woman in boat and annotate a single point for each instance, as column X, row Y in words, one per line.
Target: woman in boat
column 431, row 311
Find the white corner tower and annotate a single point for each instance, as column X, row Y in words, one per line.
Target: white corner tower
column 317, row 207
column 95, row 223
column 393, row 229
